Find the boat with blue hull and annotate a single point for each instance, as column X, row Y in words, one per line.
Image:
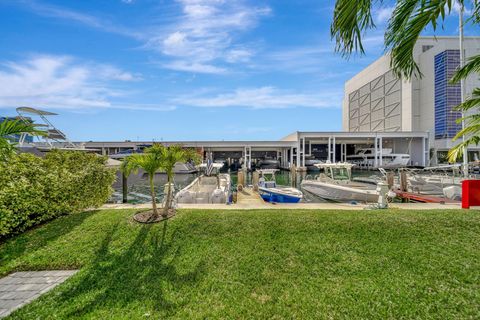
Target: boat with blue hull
column 271, row 192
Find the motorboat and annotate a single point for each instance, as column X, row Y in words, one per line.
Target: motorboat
column 311, row 162
column 184, row 168
column 433, row 180
column 335, row 183
column 365, row 157
column 207, row 188
column 268, row 163
column 271, row 192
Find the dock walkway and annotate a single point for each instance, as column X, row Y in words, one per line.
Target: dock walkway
column 248, row 197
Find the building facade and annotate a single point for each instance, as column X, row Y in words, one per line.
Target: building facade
column 376, row 101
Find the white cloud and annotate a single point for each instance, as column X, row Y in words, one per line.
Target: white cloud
column 382, row 15
column 59, row 82
column 262, row 98
column 103, row 24
column 203, row 36
column 195, row 67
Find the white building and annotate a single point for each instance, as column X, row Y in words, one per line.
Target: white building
column 376, row 101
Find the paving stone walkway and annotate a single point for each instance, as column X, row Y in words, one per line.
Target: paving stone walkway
column 20, row 288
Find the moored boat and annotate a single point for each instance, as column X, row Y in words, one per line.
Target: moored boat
column 335, row 183
column 271, row 192
column 207, row 188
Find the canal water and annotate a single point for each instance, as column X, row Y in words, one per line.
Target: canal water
column 139, row 189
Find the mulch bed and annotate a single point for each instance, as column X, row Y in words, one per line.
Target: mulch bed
column 147, row 216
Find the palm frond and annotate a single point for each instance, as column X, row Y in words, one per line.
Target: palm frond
column 17, row 126
column 456, row 152
column 471, row 103
column 472, row 66
column 409, row 19
column 351, row 19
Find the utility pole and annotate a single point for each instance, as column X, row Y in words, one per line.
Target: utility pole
column 462, row 86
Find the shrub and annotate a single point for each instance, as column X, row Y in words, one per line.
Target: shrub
column 34, row 190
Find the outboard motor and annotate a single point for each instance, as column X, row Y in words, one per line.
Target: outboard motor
column 218, row 196
column 185, row 197
column 382, row 190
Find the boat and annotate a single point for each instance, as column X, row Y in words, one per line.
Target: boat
column 271, row 192
column 433, row 180
column 310, row 163
column 335, row 184
column 365, row 157
column 207, row 188
column 268, row 163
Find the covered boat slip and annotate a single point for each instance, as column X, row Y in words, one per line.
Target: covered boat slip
column 295, row 150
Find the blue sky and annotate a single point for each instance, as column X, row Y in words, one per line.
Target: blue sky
column 178, row 70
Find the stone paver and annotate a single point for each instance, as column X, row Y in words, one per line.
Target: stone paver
column 20, row 288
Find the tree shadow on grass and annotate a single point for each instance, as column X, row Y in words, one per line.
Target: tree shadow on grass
column 40, row 236
column 143, row 272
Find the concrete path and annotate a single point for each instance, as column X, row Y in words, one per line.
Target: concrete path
column 20, row 288
column 312, row 206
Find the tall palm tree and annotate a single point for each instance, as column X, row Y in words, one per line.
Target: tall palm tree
column 14, row 127
column 170, row 156
column 150, row 162
column 409, row 18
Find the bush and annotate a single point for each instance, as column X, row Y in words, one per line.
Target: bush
column 34, row 190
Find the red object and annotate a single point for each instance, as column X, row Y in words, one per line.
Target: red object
column 422, row 197
column 470, row 193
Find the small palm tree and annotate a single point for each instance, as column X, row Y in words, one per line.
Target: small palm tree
column 170, row 156
column 158, row 158
column 10, row 128
column 150, row 162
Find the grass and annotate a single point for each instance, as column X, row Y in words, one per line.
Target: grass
column 256, row 264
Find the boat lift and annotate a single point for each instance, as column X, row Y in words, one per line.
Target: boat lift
column 52, row 134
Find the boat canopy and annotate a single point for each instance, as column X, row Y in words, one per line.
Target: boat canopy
column 337, row 165
column 30, row 110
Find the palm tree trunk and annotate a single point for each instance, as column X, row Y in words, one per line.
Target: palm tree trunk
column 169, row 195
column 154, row 201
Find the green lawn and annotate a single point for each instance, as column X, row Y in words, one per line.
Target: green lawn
column 257, row 264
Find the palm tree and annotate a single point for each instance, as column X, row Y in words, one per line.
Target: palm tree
column 158, row 158
column 151, row 162
column 10, row 128
column 170, row 156
column 409, row 18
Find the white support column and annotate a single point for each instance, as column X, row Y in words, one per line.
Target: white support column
column 381, row 151
column 298, row 154
column 343, row 152
column 310, row 148
column 291, row 157
column 303, row 155
column 424, row 155
column 375, row 155
column 334, row 156
column 329, row 158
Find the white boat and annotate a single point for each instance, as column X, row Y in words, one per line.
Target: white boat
column 207, row 188
column 365, row 157
column 269, row 163
column 433, row 180
column 271, row 192
column 336, row 184
column 311, row 163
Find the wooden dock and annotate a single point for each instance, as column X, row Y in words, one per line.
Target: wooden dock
column 249, row 197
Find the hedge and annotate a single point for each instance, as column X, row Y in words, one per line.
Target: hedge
column 34, row 189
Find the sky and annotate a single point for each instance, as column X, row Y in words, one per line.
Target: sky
column 148, row 70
